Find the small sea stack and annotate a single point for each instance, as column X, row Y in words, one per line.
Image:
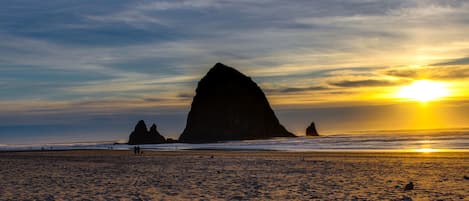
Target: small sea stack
column 228, row 105
column 311, row 130
column 141, row 135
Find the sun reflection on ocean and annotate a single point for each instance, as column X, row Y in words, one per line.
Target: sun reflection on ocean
column 426, row 150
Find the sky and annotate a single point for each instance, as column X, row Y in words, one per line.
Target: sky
column 89, row 70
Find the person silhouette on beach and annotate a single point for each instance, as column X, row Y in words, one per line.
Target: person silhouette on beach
column 137, row 150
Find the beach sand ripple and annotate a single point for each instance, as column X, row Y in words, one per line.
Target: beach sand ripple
column 223, row 175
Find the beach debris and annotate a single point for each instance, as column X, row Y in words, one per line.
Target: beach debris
column 49, row 198
column 406, row 198
column 236, row 197
column 409, row 186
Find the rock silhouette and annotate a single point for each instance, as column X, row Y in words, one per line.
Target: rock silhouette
column 311, row 130
column 230, row 106
column 171, row 140
column 140, row 135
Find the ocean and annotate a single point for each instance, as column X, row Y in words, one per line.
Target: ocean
column 367, row 141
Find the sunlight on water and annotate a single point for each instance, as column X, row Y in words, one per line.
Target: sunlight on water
column 427, row 150
column 387, row 141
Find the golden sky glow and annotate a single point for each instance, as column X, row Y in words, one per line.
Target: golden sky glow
column 349, row 65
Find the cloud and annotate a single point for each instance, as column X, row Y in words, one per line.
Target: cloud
column 450, row 72
column 171, row 5
column 404, row 72
column 91, row 106
column 458, row 61
column 366, row 83
column 295, row 89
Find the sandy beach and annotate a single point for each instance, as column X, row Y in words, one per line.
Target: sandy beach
column 232, row 175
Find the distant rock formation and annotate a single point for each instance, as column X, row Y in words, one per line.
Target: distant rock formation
column 230, row 106
column 311, row 130
column 171, row 140
column 140, row 135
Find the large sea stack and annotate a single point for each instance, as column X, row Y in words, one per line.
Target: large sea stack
column 230, row 106
column 140, row 135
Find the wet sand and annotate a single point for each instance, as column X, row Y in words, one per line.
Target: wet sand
column 232, row 175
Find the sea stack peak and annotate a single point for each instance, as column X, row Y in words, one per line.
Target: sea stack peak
column 220, row 65
column 220, row 69
column 228, row 105
column 311, row 130
column 153, row 130
column 141, row 126
column 141, row 135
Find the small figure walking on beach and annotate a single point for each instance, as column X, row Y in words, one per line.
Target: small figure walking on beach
column 137, row 150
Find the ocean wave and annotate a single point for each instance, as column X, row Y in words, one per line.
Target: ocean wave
column 403, row 140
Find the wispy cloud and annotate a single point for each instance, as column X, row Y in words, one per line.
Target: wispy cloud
column 458, row 61
column 439, row 72
column 367, row 83
column 295, row 89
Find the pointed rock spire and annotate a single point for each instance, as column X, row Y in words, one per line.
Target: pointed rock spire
column 156, row 135
column 311, row 130
column 140, row 135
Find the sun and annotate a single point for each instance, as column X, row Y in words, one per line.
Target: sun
column 424, row 91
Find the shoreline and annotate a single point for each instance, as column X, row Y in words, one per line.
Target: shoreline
column 150, row 152
column 339, row 143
